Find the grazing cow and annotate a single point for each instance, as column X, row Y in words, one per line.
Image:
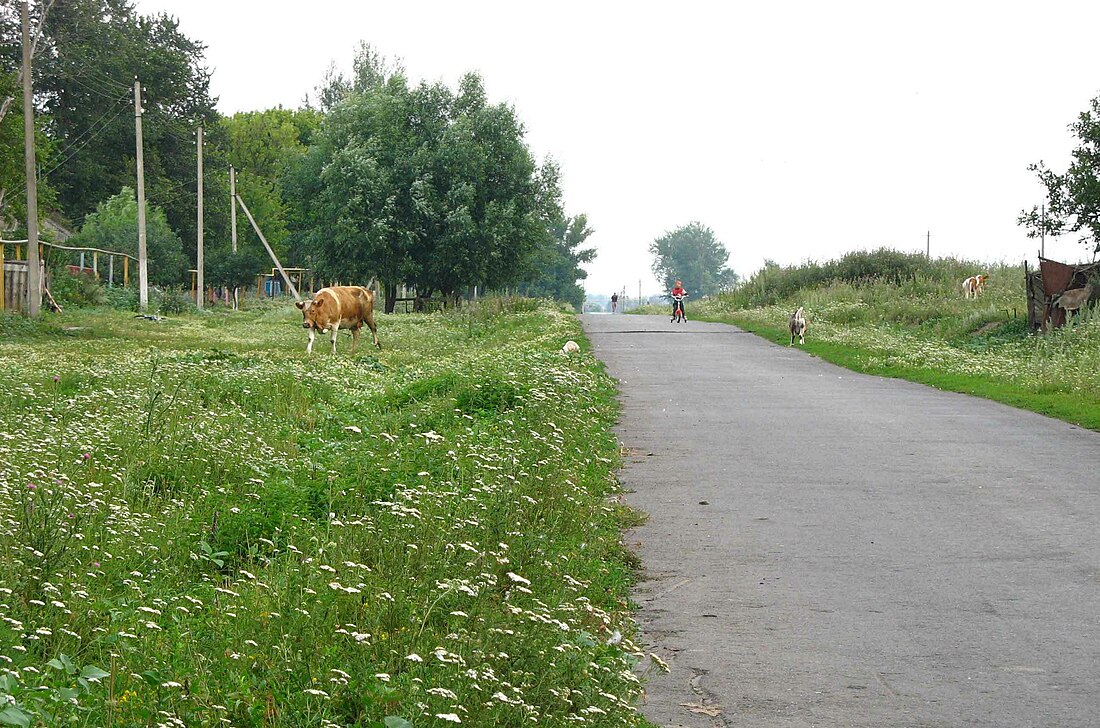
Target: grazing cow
column 336, row 306
column 974, row 285
column 1073, row 300
column 797, row 325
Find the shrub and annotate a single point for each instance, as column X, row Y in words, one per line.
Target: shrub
column 174, row 301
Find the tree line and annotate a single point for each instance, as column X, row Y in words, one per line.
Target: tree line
column 373, row 176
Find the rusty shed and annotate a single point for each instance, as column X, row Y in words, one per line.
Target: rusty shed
column 1049, row 281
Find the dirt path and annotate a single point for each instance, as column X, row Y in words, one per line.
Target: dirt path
column 832, row 549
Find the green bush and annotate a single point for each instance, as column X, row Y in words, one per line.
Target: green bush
column 123, row 298
column 76, row 290
column 174, row 301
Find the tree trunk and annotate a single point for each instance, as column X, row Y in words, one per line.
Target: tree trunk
column 391, row 296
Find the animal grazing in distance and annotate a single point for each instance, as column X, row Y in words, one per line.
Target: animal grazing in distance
column 797, row 325
column 571, row 347
column 1073, row 300
column 336, row 306
column 974, row 285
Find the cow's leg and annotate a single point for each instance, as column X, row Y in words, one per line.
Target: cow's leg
column 309, row 346
column 369, row 318
column 335, row 331
column 354, row 340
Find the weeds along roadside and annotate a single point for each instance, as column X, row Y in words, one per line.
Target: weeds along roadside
column 921, row 328
column 200, row 524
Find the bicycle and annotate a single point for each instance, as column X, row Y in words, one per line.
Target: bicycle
column 678, row 312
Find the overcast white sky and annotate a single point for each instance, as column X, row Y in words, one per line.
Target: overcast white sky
column 795, row 130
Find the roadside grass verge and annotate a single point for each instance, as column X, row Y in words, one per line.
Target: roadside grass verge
column 200, row 525
column 918, row 326
column 1054, row 399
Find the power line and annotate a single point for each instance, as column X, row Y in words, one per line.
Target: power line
column 83, row 144
column 90, row 128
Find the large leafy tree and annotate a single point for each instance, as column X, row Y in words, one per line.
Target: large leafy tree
column 420, row 186
column 93, row 50
column 261, row 145
column 692, row 254
column 113, row 226
column 351, row 193
column 1073, row 197
column 13, row 209
column 489, row 215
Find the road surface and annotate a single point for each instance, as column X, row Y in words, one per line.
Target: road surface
column 832, row 549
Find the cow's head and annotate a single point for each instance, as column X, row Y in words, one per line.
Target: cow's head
column 311, row 312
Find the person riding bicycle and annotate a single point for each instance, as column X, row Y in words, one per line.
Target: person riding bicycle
column 679, row 292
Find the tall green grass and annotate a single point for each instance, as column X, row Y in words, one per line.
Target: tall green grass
column 200, row 525
column 900, row 315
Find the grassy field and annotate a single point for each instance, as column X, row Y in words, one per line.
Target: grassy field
column 201, row 526
column 897, row 315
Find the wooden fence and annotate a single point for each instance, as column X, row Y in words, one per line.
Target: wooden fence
column 13, row 282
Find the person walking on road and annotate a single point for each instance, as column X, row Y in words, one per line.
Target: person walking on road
column 614, row 302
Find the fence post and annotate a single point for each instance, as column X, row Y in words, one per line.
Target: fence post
column 126, row 270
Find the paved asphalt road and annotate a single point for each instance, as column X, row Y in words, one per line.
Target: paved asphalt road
column 831, row 549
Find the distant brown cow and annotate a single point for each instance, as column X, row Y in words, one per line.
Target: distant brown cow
column 336, row 306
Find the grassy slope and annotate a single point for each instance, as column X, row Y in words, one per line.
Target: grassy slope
column 240, row 534
column 1068, row 406
column 922, row 329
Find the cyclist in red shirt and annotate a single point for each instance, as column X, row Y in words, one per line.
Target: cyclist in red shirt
column 678, row 290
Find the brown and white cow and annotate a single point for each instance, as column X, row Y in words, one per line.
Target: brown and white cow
column 974, row 285
column 336, row 306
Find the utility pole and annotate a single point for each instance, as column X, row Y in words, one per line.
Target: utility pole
column 200, row 286
column 143, row 255
column 928, row 245
column 34, row 269
column 1043, row 233
column 639, row 291
column 233, row 207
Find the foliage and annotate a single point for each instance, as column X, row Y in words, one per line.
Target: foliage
column 261, row 538
column 174, row 301
column 13, row 199
column 261, row 145
column 1073, row 198
column 554, row 266
column 692, row 254
column 418, row 185
column 774, row 283
column 916, row 324
column 75, row 289
column 92, row 51
column 113, row 226
column 233, row 270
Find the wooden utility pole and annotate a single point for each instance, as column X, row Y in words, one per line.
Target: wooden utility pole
column 928, row 245
column 198, row 249
column 233, row 207
column 143, row 255
column 34, row 270
column 1043, row 232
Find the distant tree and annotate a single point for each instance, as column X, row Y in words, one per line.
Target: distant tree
column 113, row 226
column 693, row 255
column 1073, row 198
column 235, row 270
column 554, row 267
